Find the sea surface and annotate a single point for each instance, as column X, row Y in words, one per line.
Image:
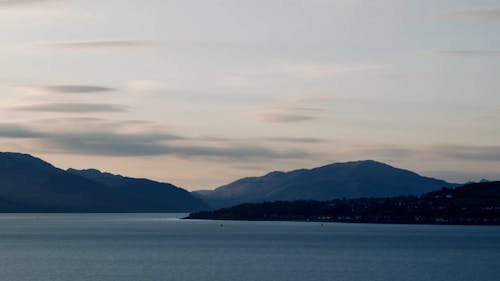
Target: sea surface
column 156, row 247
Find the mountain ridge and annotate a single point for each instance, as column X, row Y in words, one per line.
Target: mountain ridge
column 364, row 178
column 33, row 184
column 29, row 184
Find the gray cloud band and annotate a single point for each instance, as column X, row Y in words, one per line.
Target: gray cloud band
column 19, row 2
column 285, row 117
column 74, row 107
column 450, row 151
column 99, row 139
column 74, row 89
column 479, row 13
column 99, row 44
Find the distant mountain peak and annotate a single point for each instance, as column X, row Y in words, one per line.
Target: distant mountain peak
column 91, row 172
column 275, row 174
column 360, row 163
column 22, row 159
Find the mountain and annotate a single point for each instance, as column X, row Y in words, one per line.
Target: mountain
column 340, row 180
column 29, row 184
column 144, row 194
column 477, row 203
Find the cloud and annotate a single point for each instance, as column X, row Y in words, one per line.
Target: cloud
column 470, row 53
column 464, row 152
column 108, row 144
column 151, row 87
column 294, row 110
column 294, row 139
column 290, row 73
column 117, row 144
column 121, row 146
column 93, row 136
column 435, row 152
column 19, row 2
column 310, row 109
column 18, row 131
column 318, row 71
column 111, row 44
column 387, row 151
column 235, row 152
column 463, row 176
column 309, row 100
column 74, row 107
column 268, row 139
column 281, row 117
column 76, row 89
column 478, row 13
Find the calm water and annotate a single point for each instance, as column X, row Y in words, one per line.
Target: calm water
column 155, row 247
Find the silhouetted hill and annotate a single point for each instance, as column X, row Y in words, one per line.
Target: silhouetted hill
column 477, row 203
column 143, row 193
column 340, row 180
column 29, row 184
column 472, row 194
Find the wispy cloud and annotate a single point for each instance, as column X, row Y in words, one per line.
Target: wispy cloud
column 122, row 147
column 111, row 143
column 235, row 152
column 265, row 139
column 387, row 151
column 452, row 152
column 18, row 131
column 93, row 136
column 469, row 53
column 467, row 152
column 292, row 111
column 19, row 2
column 492, row 13
column 318, row 71
column 283, row 117
column 74, row 107
column 104, row 44
column 463, row 176
column 70, row 89
column 291, row 72
column 294, row 139
column 116, row 144
column 152, row 87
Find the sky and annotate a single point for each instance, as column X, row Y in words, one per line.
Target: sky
column 202, row 92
